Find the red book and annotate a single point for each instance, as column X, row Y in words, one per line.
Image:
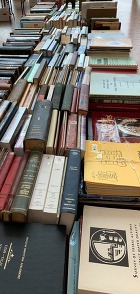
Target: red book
column 84, row 100
column 9, row 201
column 5, row 167
column 116, row 127
column 93, row 106
column 71, row 137
column 74, row 100
column 6, row 188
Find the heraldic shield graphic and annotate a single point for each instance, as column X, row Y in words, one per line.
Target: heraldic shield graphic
column 108, row 246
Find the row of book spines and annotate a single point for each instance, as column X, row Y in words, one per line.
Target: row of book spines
column 22, row 193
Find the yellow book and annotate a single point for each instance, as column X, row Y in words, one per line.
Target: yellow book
column 112, row 168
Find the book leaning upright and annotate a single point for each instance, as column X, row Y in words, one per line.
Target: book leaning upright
column 110, row 251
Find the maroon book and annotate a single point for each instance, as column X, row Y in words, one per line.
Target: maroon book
column 4, row 193
column 115, row 126
column 5, row 167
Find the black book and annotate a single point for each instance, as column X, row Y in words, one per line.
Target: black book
column 8, row 118
column 32, row 258
column 16, row 50
column 69, row 202
column 68, row 95
column 57, row 96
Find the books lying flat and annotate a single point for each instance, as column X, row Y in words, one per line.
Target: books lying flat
column 107, row 167
column 126, row 87
column 33, row 257
column 113, row 62
column 111, row 43
column 109, row 256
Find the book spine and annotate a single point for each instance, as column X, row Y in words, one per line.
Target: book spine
column 18, row 91
column 70, row 193
column 4, row 193
column 8, row 118
column 71, row 136
column 83, row 99
column 6, row 214
column 38, row 130
column 53, row 193
column 73, row 259
column 3, row 108
column 35, row 213
column 74, row 100
column 57, row 96
column 52, row 131
column 19, row 148
column 5, row 167
column 23, row 196
column 67, row 99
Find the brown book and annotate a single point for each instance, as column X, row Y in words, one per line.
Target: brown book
column 5, row 86
column 75, row 100
column 25, row 94
column 42, row 92
column 30, row 97
column 71, row 136
column 38, row 130
column 18, row 91
column 83, row 99
column 62, row 134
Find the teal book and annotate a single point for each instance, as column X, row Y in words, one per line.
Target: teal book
column 121, row 87
column 31, row 73
column 113, row 62
column 73, row 259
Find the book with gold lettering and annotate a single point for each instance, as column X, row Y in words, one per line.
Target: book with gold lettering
column 107, row 166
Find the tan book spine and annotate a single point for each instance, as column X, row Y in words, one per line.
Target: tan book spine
column 53, row 193
column 30, row 97
column 52, row 131
column 35, row 213
column 50, row 93
column 25, row 94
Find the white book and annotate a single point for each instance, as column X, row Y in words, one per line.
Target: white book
column 35, row 212
column 9, row 138
column 19, row 146
column 54, row 189
column 52, row 131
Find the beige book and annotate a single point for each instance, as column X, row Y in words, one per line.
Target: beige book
column 110, row 251
column 52, row 131
column 50, row 93
column 35, row 212
column 30, row 97
column 53, row 193
column 39, row 47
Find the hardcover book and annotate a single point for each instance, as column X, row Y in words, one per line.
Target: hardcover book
column 69, row 202
column 114, row 85
column 33, row 256
column 38, row 130
column 109, row 251
column 24, row 192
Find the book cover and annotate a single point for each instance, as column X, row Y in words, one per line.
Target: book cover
column 113, row 62
column 107, row 166
column 123, row 86
column 109, row 251
column 33, row 257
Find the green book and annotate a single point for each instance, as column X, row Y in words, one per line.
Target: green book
column 113, row 62
column 125, row 87
column 23, row 196
column 31, row 73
